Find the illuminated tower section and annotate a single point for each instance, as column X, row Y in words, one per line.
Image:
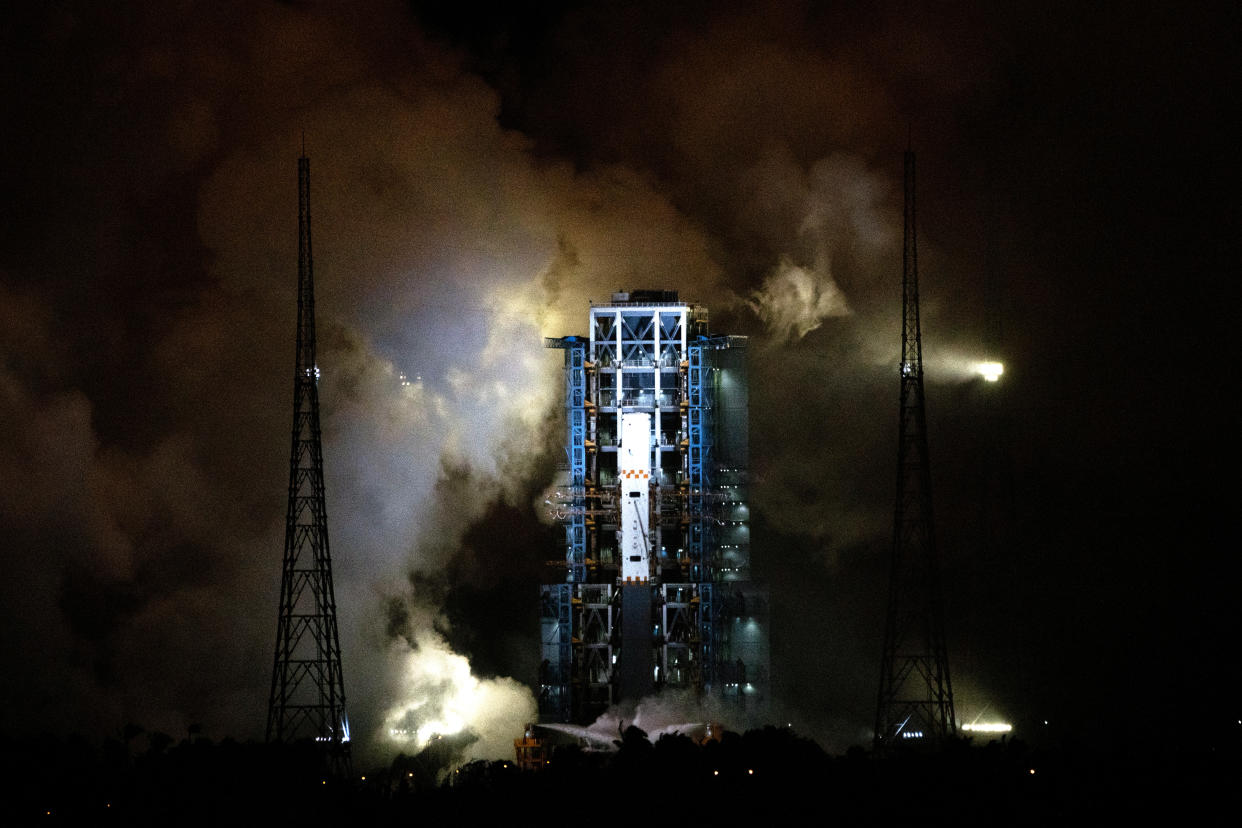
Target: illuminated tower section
column 653, row 500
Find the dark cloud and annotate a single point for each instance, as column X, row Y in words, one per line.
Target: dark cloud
column 479, row 173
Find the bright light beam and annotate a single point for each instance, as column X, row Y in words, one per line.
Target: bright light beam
column 990, row 371
column 988, row 727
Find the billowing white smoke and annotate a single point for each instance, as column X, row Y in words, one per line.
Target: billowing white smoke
column 672, row 711
column 834, row 215
column 444, row 254
column 438, row 695
column 794, row 301
column 442, row 251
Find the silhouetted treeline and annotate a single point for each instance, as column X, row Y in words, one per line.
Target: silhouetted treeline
column 772, row 775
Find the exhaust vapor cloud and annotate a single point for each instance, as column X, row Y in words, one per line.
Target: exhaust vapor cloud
column 444, row 251
column 477, row 178
column 437, row 695
column 794, row 301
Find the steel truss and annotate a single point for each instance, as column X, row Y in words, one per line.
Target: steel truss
column 653, row 358
column 915, row 703
column 307, row 700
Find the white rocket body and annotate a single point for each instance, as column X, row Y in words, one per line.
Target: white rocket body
column 634, row 472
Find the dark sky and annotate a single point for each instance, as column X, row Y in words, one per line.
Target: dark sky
column 482, row 170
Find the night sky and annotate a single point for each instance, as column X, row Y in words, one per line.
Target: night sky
column 479, row 172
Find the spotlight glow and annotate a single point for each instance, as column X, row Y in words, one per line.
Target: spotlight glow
column 990, row 371
column 988, row 727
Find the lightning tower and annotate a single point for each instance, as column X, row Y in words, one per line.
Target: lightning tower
column 916, row 695
column 307, row 701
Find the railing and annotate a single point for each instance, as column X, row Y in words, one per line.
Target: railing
column 687, row 305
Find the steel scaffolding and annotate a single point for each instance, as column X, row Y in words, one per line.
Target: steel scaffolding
column 654, row 506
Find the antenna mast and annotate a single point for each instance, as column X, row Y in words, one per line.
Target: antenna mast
column 307, row 701
column 916, row 697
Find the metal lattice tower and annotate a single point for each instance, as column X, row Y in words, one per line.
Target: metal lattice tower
column 657, row 593
column 916, row 696
column 307, row 701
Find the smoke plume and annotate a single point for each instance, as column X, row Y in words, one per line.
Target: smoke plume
column 479, row 175
column 437, row 695
column 794, row 301
column 445, row 249
column 444, row 252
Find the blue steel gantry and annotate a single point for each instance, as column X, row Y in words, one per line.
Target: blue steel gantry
column 657, row 591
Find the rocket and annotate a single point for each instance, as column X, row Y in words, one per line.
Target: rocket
column 634, row 544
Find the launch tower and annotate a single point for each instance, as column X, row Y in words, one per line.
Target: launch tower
column 916, row 696
column 657, row 591
column 307, row 700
